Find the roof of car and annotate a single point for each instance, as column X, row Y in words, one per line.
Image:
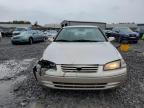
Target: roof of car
column 80, row 26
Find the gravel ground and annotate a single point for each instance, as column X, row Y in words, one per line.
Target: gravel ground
column 26, row 93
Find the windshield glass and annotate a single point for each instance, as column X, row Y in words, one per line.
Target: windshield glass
column 126, row 30
column 25, row 33
column 19, row 29
column 81, row 34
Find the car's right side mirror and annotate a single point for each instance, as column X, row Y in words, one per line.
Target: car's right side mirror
column 111, row 39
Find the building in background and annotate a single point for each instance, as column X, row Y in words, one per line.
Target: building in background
column 6, row 28
column 64, row 23
column 52, row 26
column 15, row 25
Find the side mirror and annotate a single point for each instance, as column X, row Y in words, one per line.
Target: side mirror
column 111, row 39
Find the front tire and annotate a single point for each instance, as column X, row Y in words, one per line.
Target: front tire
column 30, row 41
column 119, row 39
column 135, row 42
column 44, row 39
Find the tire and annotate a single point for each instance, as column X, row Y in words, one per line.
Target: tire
column 44, row 39
column 30, row 41
column 13, row 43
column 135, row 42
column 119, row 39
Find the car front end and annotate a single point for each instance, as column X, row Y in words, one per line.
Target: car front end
column 19, row 39
column 80, row 64
column 130, row 37
column 80, row 77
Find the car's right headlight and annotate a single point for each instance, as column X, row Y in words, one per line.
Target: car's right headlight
column 114, row 65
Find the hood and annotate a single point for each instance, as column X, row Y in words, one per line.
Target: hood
column 17, row 36
column 81, row 53
column 130, row 33
column 16, row 31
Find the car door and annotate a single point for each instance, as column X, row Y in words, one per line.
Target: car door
column 41, row 36
column 36, row 36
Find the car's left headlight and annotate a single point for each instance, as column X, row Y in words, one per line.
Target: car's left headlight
column 114, row 65
column 44, row 67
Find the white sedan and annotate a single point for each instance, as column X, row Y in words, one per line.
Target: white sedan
column 81, row 58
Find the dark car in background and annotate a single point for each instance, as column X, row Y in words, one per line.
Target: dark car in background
column 108, row 33
column 7, row 32
column 125, row 34
column 30, row 37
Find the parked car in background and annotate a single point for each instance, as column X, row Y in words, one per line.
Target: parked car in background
column 17, row 31
column 125, row 34
column 7, row 32
column 51, row 34
column 140, row 31
column 108, row 33
column 81, row 58
column 29, row 37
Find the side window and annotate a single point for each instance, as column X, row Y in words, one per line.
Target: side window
column 116, row 30
column 34, row 33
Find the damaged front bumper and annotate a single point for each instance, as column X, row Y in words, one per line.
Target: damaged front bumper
column 82, row 81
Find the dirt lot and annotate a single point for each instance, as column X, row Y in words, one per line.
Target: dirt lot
column 18, row 88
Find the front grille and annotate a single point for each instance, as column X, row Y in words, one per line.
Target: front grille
column 79, row 85
column 86, row 87
column 80, row 68
column 132, row 35
column 16, row 37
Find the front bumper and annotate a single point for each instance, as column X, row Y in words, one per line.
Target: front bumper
column 82, row 82
column 19, row 40
column 130, row 39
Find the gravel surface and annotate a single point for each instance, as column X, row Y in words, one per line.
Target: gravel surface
column 27, row 93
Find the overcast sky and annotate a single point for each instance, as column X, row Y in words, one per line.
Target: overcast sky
column 54, row 11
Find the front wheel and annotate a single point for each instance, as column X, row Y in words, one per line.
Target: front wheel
column 119, row 39
column 30, row 41
column 135, row 42
column 44, row 39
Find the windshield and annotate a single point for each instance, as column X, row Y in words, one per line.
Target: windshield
column 19, row 29
column 80, row 34
column 126, row 30
column 24, row 33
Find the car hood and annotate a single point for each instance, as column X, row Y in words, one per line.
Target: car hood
column 16, row 31
column 81, row 53
column 130, row 33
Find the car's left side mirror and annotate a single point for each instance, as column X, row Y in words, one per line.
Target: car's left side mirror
column 111, row 39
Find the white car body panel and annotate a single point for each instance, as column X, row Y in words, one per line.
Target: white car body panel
column 81, row 53
column 91, row 57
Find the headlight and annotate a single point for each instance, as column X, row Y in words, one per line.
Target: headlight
column 44, row 66
column 113, row 65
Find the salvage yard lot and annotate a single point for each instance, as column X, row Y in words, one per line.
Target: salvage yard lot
column 21, row 90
